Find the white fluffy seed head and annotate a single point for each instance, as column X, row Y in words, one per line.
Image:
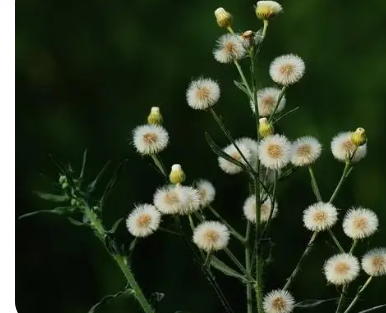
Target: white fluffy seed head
column 360, row 223
column 287, row 69
column 206, row 191
column 320, row 216
column 150, row 139
column 251, row 144
column 229, row 167
column 229, row 48
column 374, row 262
column 343, row 148
column 275, row 151
column 168, row 200
column 211, row 236
column 278, row 301
column 341, row 269
column 190, row 199
column 266, row 101
column 305, row 151
column 143, row 220
column 249, row 209
column 202, row 93
column 267, row 9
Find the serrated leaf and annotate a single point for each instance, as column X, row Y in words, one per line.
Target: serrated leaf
column 115, row 226
column 113, row 181
column 311, row 303
column 81, row 175
column 217, row 150
column 373, row 308
column 109, row 298
column 93, row 184
column 241, row 86
column 58, row 210
column 52, row 197
column 222, row 267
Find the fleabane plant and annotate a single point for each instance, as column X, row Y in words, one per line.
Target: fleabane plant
column 184, row 205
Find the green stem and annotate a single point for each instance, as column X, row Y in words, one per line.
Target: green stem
column 341, row 181
column 354, row 301
column 158, row 163
column 336, row 241
column 341, row 299
column 353, row 246
column 238, row 264
column 315, row 187
column 272, row 198
column 299, row 264
column 265, row 28
column 281, row 95
column 120, row 260
column 234, row 232
column 248, row 267
column 243, row 78
column 228, row 135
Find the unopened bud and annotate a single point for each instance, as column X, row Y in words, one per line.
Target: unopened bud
column 248, row 39
column 155, row 117
column 265, row 128
column 177, row 175
column 359, row 137
column 223, row 18
column 267, row 9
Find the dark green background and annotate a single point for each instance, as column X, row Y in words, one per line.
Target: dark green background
column 88, row 72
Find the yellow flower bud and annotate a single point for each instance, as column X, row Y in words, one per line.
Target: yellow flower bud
column 267, row 9
column 155, row 117
column 177, row 175
column 359, row 137
column 265, row 128
column 223, row 18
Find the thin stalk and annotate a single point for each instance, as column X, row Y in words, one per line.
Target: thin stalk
column 315, row 187
column 238, row 264
column 281, row 95
column 243, row 78
column 120, row 260
column 336, row 241
column 265, row 28
column 207, row 259
column 158, row 163
column 354, row 301
column 353, row 246
column 299, row 264
column 234, row 232
column 248, row 267
column 341, row 181
column 228, row 135
column 266, row 228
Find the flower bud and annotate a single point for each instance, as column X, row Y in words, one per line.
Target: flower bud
column 155, row 117
column 177, row 175
column 267, row 9
column 223, row 18
column 265, row 128
column 248, row 39
column 358, row 137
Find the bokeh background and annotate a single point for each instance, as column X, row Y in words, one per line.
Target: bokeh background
column 87, row 73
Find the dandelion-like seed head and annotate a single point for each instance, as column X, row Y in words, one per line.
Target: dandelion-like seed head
column 143, row 220
column 267, row 9
column 341, row 269
column 206, row 191
column 275, row 151
column 229, row 167
column 305, row 151
column 190, row 199
column 287, row 69
column 211, row 236
column 266, row 101
column 360, row 223
column 168, row 200
column 150, row 139
column 249, row 209
column 202, row 93
column 320, row 216
column 278, row 301
column 343, row 148
column 374, row 262
column 229, row 48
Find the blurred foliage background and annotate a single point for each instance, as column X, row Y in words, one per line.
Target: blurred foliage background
column 87, row 73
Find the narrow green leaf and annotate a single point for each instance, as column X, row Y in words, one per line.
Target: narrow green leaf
column 241, row 86
column 81, row 175
column 52, row 197
column 311, row 303
column 75, row 222
column 217, row 150
column 285, row 115
column 93, row 184
column 222, row 267
column 373, row 308
column 288, row 173
column 58, row 210
column 115, row 226
column 113, row 181
column 109, row 298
